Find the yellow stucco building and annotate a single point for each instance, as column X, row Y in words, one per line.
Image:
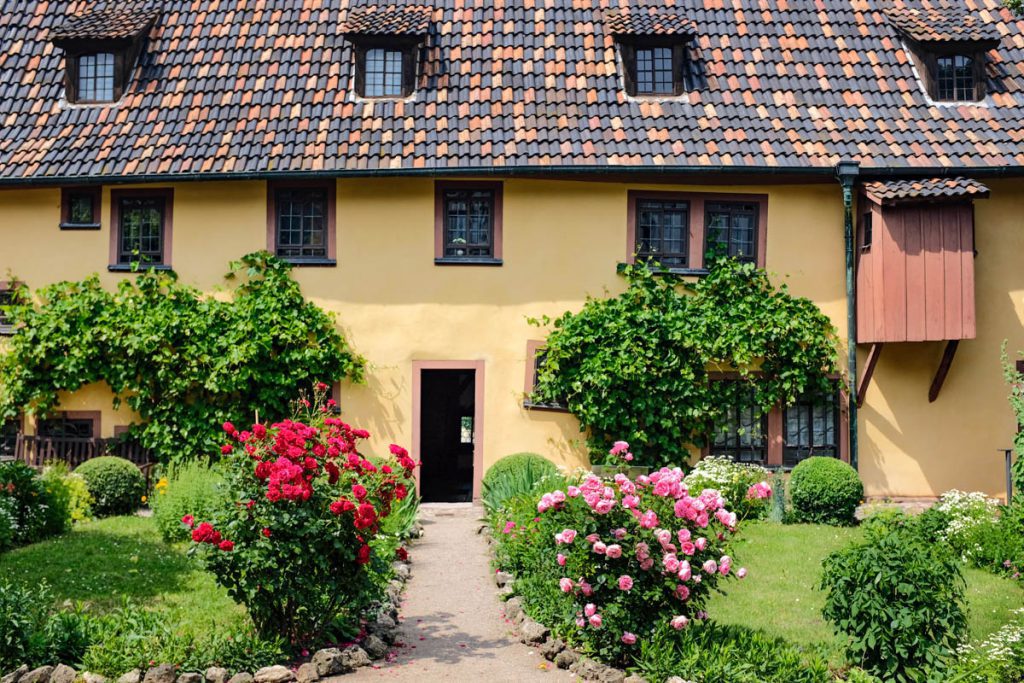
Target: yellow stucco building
column 436, row 210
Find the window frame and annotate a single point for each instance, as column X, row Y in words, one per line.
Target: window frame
column 19, row 430
column 330, row 190
column 837, row 423
column 697, row 224
column 775, row 433
column 125, row 54
column 92, row 416
column 685, row 255
column 68, row 194
column 6, row 287
column 925, row 57
column 533, row 349
column 765, row 429
column 408, row 46
column 440, row 227
column 166, row 196
column 681, row 77
column 708, row 204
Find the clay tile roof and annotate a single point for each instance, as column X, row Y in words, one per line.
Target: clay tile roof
column 647, row 22
column 387, row 20
column 940, row 25
column 105, row 24
column 928, row 188
column 241, row 87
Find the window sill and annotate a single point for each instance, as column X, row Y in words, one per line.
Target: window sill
column 79, row 226
column 136, row 267
column 698, row 272
column 455, row 261
column 545, row 407
column 311, row 262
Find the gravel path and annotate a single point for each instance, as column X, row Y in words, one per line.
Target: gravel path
column 452, row 626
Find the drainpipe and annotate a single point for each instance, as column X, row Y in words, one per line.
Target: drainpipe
column 846, row 173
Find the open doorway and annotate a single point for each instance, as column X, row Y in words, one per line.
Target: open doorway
column 448, row 397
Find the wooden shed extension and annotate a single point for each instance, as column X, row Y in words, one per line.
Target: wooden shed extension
column 915, row 265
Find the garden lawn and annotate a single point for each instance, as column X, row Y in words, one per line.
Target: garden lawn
column 781, row 595
column 102, row 562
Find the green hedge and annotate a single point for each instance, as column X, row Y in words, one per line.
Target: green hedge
column 115, row 483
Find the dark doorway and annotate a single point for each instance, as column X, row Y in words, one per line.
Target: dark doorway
column 447, row 433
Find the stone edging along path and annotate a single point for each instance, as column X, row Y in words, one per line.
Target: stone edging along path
column 381, row 634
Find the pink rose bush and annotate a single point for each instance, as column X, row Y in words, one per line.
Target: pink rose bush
column 293, row 538
column 633, row 555
column 744, row 486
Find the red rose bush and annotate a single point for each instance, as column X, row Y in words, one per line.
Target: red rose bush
column 293, row 538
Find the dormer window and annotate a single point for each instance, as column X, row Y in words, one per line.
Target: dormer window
column 653, row 48
column 954, row 80
column 96, row 77
column 386, row 42
column 101, row 49
column 948, row 50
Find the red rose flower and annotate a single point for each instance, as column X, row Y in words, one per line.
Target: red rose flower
column 266, row 532
column 259, row 431
column 188, row 520
column 226, row 449
column 226, row 546
column 332, row 473
column 398, row 451
column 337, row 507
column 363, row 556
column 402, row 554
column 359, row 491
column 229, row 428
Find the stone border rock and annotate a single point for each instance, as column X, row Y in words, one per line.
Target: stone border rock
column 538, row 635
column 381, row 632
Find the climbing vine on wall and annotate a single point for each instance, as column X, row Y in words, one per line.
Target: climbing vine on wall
column 1015, row 380
column 183, row 360
column 636, row 366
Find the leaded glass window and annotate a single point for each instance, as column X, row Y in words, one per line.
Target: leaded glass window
column 811, row 427
column 955, row 78
column 65, row 428
column 731, row 230
column 302, row 223
column 662, row 232
column 141, row 236
column 383, row 73
column 469, row 223
column 742, row 433
column 96, row 77
column 655, row 74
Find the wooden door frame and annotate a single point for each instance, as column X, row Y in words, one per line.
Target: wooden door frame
column 477, row 366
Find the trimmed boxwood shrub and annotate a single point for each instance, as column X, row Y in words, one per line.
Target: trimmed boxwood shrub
column 825, row 491
column 514, row 475
column 115, row 483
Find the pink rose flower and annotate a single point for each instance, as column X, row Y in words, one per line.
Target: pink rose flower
column 614, row 551
column 561, row 560
column 595, row 621
column 683, row 535
column 600, row 548
column 625, row 582
column 687, row 548
column 619, row 447
column 590, row 609
column 685, row 571
column 628, row 638
column 682, row 592
column 710, row 567
column 647, row 564
column 680, row 622
column 558, row 497
column 593, row 538
column 649, row 520
column 565, row 584
column 742, row 573
column 619, row 533
column 671, row 563
column 701, row 543
column 573, row 491
column 586, row 588
column 581, row 622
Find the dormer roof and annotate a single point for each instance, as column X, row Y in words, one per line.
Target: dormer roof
column 387, row 20
column 943, row 25
column 648, row 22
column 111, row 24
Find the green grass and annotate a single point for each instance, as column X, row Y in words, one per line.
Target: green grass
column 100, row 561
column 781, row 596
